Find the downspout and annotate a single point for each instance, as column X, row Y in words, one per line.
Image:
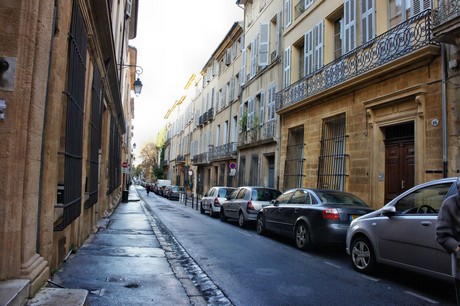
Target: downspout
column 444, row 110
column 42, row 151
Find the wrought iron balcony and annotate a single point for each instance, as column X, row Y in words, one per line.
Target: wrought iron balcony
column 446, row 24
column 200, row 158
column 228, row 150
column 180, row 159
column 401, row 40
column 267, row 131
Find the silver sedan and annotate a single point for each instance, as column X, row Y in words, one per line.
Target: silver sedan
column 403, row 232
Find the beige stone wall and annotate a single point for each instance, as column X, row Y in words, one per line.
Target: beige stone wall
column 411, row 95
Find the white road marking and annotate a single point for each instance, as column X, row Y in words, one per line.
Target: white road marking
column 331, row 264
column 371, row 278
column 422, row 297
column 244, row 233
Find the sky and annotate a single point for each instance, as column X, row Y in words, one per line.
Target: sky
column 174, row 40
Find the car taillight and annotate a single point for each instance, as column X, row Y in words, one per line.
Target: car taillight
column 216, row 202
column 249, row 206
column 331, row 214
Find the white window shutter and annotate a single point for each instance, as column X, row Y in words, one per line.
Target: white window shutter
column 250, row 114
column 278, row 33
column 262, row 109
column 241, row 117
column 349, row 25
column 243, row 68
column 287, row 13
column 129, row 7
column 287, row 67
column 308, row 53
column 319, row 45
column 264, row 44
column 253, row 69
column 368, row 20
column 419, row 6
column 231, row 94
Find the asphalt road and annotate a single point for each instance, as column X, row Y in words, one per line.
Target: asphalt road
column 249, row 269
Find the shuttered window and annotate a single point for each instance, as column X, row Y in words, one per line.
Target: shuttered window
column 349, row 25
column 264, row 44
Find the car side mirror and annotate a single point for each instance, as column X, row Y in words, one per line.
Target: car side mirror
column 389, row 210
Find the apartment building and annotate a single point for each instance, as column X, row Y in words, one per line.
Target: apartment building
column 260, row 79
column 214, row 138
column 368, row 97
column 177, row 160
column 66, row 78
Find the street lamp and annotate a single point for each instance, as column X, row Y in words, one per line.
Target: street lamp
column 137, row 83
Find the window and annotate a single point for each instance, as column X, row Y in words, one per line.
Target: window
column 367, row 20
column 338, row 38
column 271, row 102
column 274, row 34
column 253, row 67
column 254, row 171
column 293, row 166
column 284, row 198
column 95, row 143
column 426, row 200
column 349, row 25
column 287, row 13
column 331, row 166
column 301, row 197
column 243, row 68
column 72, row 146
column 264, row 44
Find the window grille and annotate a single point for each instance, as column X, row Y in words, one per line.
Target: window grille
column 95, row 144
column 114, row 173
column 241, row 171
column 73, row 162
column 293, row 166
column 254, row 171
column 332, row 160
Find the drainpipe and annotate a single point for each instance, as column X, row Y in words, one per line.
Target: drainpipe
column 42, row 153
column 444, row 110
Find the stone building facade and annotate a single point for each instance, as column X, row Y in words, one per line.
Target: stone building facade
column 365, row 96
column 64, row 85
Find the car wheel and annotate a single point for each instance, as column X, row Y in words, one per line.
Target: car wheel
column 302, row 237
column 223, row 218
column 241, row 221
column 201, row 208
column 260, row 224
column 362, row 255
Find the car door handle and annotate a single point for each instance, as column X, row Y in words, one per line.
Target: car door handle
column 296, row 210
column 425, row 223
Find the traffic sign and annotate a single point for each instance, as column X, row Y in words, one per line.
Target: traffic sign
column 124, row 165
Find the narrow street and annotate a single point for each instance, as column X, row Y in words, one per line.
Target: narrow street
column 239, row 267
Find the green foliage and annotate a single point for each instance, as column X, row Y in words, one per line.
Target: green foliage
column 244, row 121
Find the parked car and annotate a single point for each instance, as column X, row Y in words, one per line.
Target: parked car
column 311, row 216
column 213, row 199
column 165, row 191
column 174, row 192
column 245, row 202
column 403, row 232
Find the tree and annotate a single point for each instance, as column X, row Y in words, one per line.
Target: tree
column 149, row 156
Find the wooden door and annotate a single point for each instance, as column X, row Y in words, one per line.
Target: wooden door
column 399, row 168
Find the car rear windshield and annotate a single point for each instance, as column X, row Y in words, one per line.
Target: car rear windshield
column 332, row 197
column 224, row 192
column 261, row 194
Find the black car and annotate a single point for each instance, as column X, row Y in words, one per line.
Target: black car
column 312, row 216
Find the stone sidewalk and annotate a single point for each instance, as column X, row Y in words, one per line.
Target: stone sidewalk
column 127, row 262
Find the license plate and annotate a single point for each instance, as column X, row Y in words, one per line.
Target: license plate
column 353, row 217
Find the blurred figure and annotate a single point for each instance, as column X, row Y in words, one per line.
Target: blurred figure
column 448, row 233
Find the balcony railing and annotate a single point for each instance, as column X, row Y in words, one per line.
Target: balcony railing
column 401, row 40
column 446, row 11
column 228, row 150
column 200, row 158
column 267, row 131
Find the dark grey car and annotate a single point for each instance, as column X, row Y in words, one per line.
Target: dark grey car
column 312, row 216
column 403, row 232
